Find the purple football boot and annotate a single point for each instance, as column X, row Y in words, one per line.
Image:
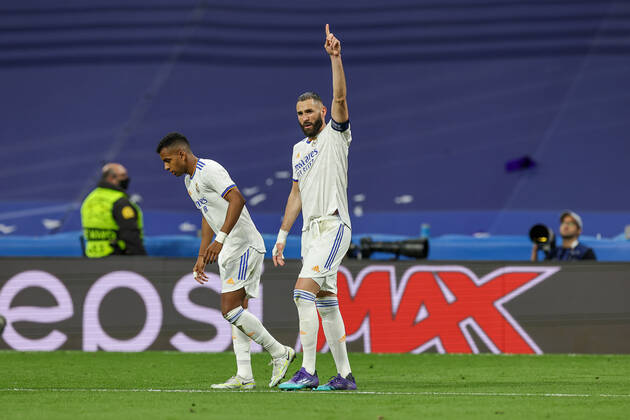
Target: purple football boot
column 339, row 383
column 301, row 380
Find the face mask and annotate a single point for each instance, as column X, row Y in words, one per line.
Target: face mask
column 124, row 183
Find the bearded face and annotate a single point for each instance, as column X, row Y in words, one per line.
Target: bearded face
column 310, row 115
column 311, row 129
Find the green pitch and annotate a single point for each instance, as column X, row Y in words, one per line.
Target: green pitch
column 156, row 385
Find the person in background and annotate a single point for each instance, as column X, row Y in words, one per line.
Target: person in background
column 571, row 250
column 112, row 224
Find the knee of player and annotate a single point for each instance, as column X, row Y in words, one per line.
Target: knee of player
column 232, row 315
column 229, row 305
column 303, row 296
column 327, row 304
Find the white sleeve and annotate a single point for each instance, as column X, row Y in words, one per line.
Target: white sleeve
column 341, row 130
column 216, row 177
column 294, row 176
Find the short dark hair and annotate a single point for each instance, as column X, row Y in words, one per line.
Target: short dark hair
column 173, row 139
column 310, row 95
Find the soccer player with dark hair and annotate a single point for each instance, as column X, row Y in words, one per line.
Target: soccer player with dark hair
column 320, row 183
column 238, row 249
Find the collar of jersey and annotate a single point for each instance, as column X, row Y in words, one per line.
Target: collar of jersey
column 199, row 166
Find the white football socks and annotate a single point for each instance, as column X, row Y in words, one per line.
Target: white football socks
column 241, row 344
column 335, row 332
column 309, row 326
column 253, row 328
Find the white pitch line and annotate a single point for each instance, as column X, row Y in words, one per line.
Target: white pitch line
column 425, row 393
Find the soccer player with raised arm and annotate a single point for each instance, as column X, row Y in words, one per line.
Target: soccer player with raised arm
column 320, row 183
column 238, row 249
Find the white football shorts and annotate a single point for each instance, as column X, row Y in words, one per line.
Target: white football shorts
column 324, row 245
column 242, row 272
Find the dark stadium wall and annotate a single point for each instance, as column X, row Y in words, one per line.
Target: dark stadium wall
column 442, row 96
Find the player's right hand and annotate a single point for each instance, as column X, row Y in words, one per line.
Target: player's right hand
column 277, row 253
column 332, row 44
column 199, row 271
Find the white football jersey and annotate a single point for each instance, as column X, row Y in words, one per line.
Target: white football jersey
column 321, row 169
column 207, row 186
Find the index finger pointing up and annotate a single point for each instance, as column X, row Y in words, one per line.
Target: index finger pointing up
column 327, row 30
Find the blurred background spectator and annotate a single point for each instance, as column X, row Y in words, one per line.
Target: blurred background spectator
column 571, row 249
column 112, row 224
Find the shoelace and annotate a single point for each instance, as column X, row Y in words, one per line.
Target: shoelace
column 279, row 359
column 276, row 362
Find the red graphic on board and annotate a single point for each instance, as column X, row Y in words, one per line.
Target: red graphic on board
column 446, row 308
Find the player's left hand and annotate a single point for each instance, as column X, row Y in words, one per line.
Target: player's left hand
column 212, row 252
column 332, row 44
column 199, row 270
column 278, row 257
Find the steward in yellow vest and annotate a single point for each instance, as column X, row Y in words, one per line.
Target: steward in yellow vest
column 112, row 224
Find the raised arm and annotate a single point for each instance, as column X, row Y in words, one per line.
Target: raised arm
column 291, row 212
column 339, row 108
